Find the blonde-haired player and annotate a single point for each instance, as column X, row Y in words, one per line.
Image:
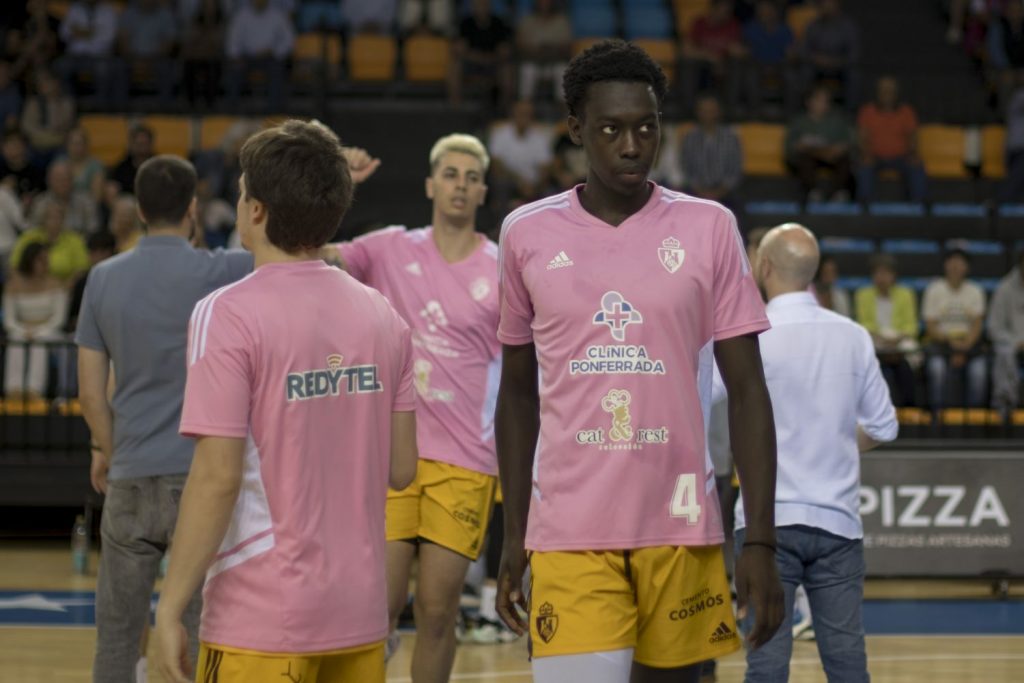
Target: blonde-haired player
column 443, row 280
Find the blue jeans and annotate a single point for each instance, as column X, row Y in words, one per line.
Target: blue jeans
column 974, row 372
column 911, row 172
column 831, row 569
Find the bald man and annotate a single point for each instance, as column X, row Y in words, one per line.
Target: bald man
column 830, row 404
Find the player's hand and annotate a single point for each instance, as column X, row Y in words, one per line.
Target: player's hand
column 511, row 603
column 172, row 649
column 758, row 586
column 360, row 164
column 98, row 471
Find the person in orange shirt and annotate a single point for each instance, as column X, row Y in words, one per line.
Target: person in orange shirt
column 888, row 138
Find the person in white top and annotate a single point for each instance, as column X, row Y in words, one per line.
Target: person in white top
column 953, row 309
column 521, row 152
column 830, row 404
column 260, row 38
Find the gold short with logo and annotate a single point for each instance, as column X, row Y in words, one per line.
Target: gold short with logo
column 671, row 604
column 229, row 665
column 447, row 505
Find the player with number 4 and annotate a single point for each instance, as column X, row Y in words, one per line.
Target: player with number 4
column 617, row 297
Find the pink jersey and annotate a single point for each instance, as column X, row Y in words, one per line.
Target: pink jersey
column 306, row 365
column 452, row 309
column 624, row 321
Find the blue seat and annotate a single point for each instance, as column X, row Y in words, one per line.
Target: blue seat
column 317, row 16
column 989, row 284
column 647, row 22
column 846, row 245
column 977, row 247
column 852, row 284
column 523, row 7
column 833, row 209
column 910, row 246
column 918, row 284
column 593, row 21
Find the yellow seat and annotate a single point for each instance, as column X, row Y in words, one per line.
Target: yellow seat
column 993, row 151
column 581, row 44
column 799, row 17
column 426, row 58
column 687, row 12
column 662, row 51
column 16, row 407
column 942, row 150
column 763, row 148
column 173, row 134
column 315, row 47
column 71, row 408
column 108, row 136
column 372, row 58
column 212, row 130
column 59, row 8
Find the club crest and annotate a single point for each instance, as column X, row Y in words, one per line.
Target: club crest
column 671, row 255
column 547, row 622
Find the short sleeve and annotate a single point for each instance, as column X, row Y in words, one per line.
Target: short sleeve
column 219, row 386
column 515, row 325
column 405, row 396
column 931, row 304
column 87, row 333
column 738, row 308
column 360, row 254
column 977, row 304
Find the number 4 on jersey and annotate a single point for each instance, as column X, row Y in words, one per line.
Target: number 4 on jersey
column 684, row 499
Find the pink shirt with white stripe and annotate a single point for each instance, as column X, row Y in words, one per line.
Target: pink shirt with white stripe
column 307, row 365
column 624, row 320
column 452, row 309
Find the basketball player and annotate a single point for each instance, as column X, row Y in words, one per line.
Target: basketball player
column 443, row 280
column 300, row 395
column 622, row 294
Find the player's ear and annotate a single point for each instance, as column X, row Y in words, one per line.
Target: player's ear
column 575, row 130
column 259, row 211
column 429, row 187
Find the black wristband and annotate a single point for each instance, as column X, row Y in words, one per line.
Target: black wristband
column 770, row 546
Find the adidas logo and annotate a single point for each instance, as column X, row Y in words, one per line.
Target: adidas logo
column 560, row 261
column 721, row 634
column 414, row 268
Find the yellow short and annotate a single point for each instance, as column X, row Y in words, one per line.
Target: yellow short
column 671, row 604
column 446, row 505
column 354, row 665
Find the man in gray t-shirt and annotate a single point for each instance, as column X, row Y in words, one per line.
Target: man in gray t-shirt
column 134, row 317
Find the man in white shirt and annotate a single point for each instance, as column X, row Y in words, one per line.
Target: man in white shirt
column 953, row 309
column 260, row 38
column 521, row 153
column 830, row 404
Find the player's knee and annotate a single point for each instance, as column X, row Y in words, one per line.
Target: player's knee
column 435, row 618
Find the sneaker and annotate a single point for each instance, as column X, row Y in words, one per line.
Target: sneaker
column 391, row 645
column 804, row 630
column 487, row 632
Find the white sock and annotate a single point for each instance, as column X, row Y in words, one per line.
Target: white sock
column 140, row 670
column 488, row 594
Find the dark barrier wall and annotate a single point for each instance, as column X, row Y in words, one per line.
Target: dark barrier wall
column 943, row 513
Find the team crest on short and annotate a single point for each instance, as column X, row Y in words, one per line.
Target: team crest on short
column 547, row 622
column 671, row 255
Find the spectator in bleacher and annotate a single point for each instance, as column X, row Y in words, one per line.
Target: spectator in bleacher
column 826, row 289
column 34, row 309
column 482, row 55
column 568, row 165
column 101, row 246
column 831, row 50
column 12, row 218
column 821, row 139
column 889, row 312
column 220, row 167
column 68, row 255
column 16, row 161
column 715, row 41
column 124, row 223
column 1013, row 187
column 888, row 141
column 260, row 39
column 544, row 42
column 425, row 16
column 712, row 158
column 1006, row 330
column 147, row 38
column 89, row 30
column 48, row 117
column 140, row 148
column 10, row 99
column 87, row 172
column 953, row 309
column 359, row 16
column 521, row 154
column 1005, row 45
column 80, row 210
column 216, row 216
column 35, row 44
column 202, row 50
column 771, row 47
column 754, row 237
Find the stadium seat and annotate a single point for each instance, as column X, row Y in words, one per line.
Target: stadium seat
column 993, row 152
column 173, row 134
column 314, row 47
column 988, row 257
column 663, row 52
column 686, row 12
column 652, row 21
column 36, row 406
column 108, row 136
column 59, row 8
column 212, row 130
column 593, row 20
column 915, row 257
column 581, row 44
column 942, row 150
column 851, row 254
column 425, row 58
column 799, row 18
column 372, row 58
column 319, row 16
column 763, row 148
